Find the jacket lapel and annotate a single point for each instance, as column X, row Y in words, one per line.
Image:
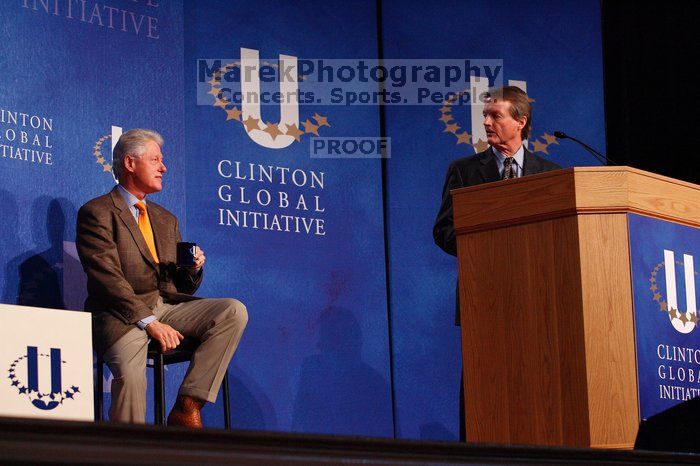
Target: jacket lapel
column 488, row 169
column 160, row 232
column 130, row 223
column 531, row 164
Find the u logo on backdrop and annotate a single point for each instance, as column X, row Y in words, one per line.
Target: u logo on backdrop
column 25, row 376
column 289, row 109
column 266, row 133
column 683, row 321
column 105, row 161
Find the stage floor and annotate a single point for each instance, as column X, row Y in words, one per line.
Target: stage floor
column 26, row 441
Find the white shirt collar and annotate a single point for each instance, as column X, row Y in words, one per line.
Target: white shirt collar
column 129, row 198
column 518, row 158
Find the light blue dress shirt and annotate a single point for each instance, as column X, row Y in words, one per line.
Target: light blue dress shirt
column 131, row 201
column 518, row 160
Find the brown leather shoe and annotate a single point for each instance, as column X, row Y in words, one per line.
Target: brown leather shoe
column 186, row 412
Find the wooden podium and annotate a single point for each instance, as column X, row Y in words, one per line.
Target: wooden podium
column 548, row 339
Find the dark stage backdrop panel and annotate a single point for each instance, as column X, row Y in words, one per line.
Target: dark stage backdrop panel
column 555, row 48
column 315, row 355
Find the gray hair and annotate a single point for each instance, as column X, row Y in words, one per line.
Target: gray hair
column 132, row 143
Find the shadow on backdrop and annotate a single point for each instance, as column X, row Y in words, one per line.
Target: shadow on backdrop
column 436, row 431
column 36, row 277
column 250, row 407
column 11, row 244
column 338, row 392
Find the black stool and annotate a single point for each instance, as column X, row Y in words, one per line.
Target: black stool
column 182, row 353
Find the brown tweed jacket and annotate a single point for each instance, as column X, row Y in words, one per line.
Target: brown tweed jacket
column 124, row 282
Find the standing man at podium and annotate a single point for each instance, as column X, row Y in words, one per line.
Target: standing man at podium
column 136, row 291
column 507, row 121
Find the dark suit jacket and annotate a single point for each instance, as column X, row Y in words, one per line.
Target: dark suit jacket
column 469, row 171
column 124, row 282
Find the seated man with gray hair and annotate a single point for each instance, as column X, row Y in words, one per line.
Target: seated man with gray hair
column 136, row 292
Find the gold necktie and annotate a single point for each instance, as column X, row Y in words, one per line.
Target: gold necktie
column 145, row 227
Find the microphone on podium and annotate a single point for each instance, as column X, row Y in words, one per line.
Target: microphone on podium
column 600, row 157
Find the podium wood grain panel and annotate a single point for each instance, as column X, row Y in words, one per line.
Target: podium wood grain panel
column 528, row 339
column 576, row 191
column 664, row 198
column 486, row 207
column 569, row 306
column 609, row 333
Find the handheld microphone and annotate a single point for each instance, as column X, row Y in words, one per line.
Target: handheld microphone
column 600, row 157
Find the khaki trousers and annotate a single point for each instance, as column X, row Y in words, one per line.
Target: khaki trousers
column 217, row 323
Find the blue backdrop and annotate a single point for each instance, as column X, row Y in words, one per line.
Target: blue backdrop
column 315, row 355
column 325, row 350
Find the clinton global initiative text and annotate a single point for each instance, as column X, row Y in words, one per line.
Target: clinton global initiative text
column 251, row 186
column 273, row 222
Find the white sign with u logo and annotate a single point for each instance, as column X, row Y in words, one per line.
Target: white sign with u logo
column 46, row 363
